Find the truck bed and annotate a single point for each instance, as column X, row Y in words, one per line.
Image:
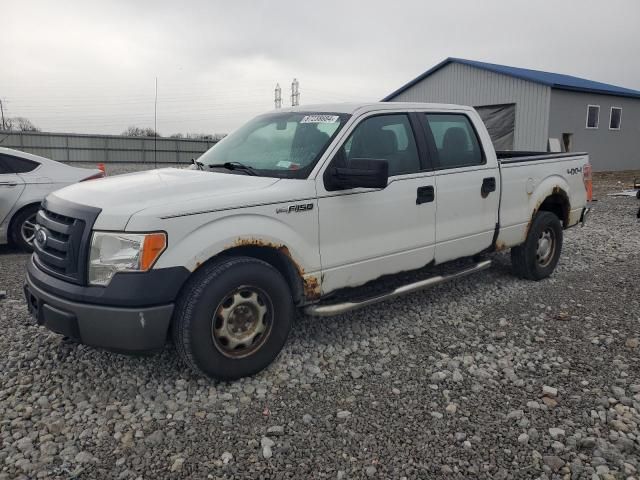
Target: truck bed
column 528, row 178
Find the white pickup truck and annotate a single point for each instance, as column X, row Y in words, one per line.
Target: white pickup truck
column 299, row 209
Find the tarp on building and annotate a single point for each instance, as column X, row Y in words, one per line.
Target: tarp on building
column 500, row 121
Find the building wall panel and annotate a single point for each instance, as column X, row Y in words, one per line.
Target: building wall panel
column 466, row 85
column 607, row 149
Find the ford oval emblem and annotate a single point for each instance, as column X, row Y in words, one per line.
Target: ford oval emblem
column 41, row 236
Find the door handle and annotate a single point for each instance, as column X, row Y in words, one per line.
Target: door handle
column 8, row 184
column 488, row 186
column 425, row 195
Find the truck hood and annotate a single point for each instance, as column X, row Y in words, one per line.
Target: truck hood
column 121, row 196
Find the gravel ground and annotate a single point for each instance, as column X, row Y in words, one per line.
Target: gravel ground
column 485, row 377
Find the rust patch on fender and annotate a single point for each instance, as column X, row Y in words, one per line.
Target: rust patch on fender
column 257, row 242
column 533, row 215
column 500, row 246
column 556, row 190
column 311, row 288
column 310, row 285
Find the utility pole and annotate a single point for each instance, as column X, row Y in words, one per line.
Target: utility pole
column 278, row 96
column 155, row 128
column 2, row 111
column 295, row 93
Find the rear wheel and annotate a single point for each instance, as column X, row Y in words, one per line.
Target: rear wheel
column 538, row 256
column 23, row 228
column 233, row 318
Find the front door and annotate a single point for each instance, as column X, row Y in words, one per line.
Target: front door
column 368, row 233
column 467, row 187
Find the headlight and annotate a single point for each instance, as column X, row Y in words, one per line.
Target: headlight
column 113, row 252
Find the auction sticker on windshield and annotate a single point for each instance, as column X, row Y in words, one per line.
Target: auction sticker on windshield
column 320, row 119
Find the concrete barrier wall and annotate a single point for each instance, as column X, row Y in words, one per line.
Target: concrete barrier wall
column 72, row 147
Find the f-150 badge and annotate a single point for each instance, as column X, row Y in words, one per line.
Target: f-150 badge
column 300, row 207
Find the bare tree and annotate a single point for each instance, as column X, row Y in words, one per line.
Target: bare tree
column 215, row 137
column 19, row 124
column 134, row 131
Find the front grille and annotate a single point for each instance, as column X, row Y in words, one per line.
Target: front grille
column 62, row 237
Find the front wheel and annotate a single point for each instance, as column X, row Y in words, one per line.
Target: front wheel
column 538, row 256
column 233, row 318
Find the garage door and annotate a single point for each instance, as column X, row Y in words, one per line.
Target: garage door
column 500, row 121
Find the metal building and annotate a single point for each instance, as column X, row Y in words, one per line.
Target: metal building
column 524, row 108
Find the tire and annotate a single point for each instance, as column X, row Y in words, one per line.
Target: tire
column 536, row 258
column 232, row 318
column 24, row 222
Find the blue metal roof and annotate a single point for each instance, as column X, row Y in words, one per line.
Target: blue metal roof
column 554, row 80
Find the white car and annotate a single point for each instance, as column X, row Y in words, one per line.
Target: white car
column 25, row 180
column 298, row 209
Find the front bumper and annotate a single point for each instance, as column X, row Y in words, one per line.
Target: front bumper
column 130, row 329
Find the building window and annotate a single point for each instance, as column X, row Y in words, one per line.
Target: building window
column 615, row 119
column 593, row 116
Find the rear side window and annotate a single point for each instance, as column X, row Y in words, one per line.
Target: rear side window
column 17, row 164
column 384, row 137
column 455, row 140
column 3, row 167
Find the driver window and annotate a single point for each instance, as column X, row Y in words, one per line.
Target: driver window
column 384, row 137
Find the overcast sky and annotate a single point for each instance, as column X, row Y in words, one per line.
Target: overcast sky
column 90, row 67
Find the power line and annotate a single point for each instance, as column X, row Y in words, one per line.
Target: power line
column 155, row 128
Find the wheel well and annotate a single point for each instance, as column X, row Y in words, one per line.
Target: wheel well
column 558, row 204
column 279, row 259
column 15, row 214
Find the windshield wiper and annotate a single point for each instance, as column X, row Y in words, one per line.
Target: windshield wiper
column 199, row 165
column 235, row 166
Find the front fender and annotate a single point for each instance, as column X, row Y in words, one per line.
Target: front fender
column 296, row 236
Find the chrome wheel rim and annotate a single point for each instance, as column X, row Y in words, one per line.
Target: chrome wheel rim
column 546, row 247
column 242, row 321
column 28, row 229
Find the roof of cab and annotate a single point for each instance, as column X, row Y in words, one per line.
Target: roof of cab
column 352, row 108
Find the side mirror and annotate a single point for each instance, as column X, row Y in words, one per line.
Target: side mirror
column 361, row 173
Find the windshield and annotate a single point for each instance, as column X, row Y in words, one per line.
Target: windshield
column 286, row 144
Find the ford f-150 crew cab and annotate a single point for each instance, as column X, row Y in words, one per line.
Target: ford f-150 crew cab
column 299, row 209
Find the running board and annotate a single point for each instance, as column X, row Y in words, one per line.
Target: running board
column 329, row 310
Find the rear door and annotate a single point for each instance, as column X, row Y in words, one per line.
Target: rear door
column 11, row 187
column 367, row 233
column 467, row 186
